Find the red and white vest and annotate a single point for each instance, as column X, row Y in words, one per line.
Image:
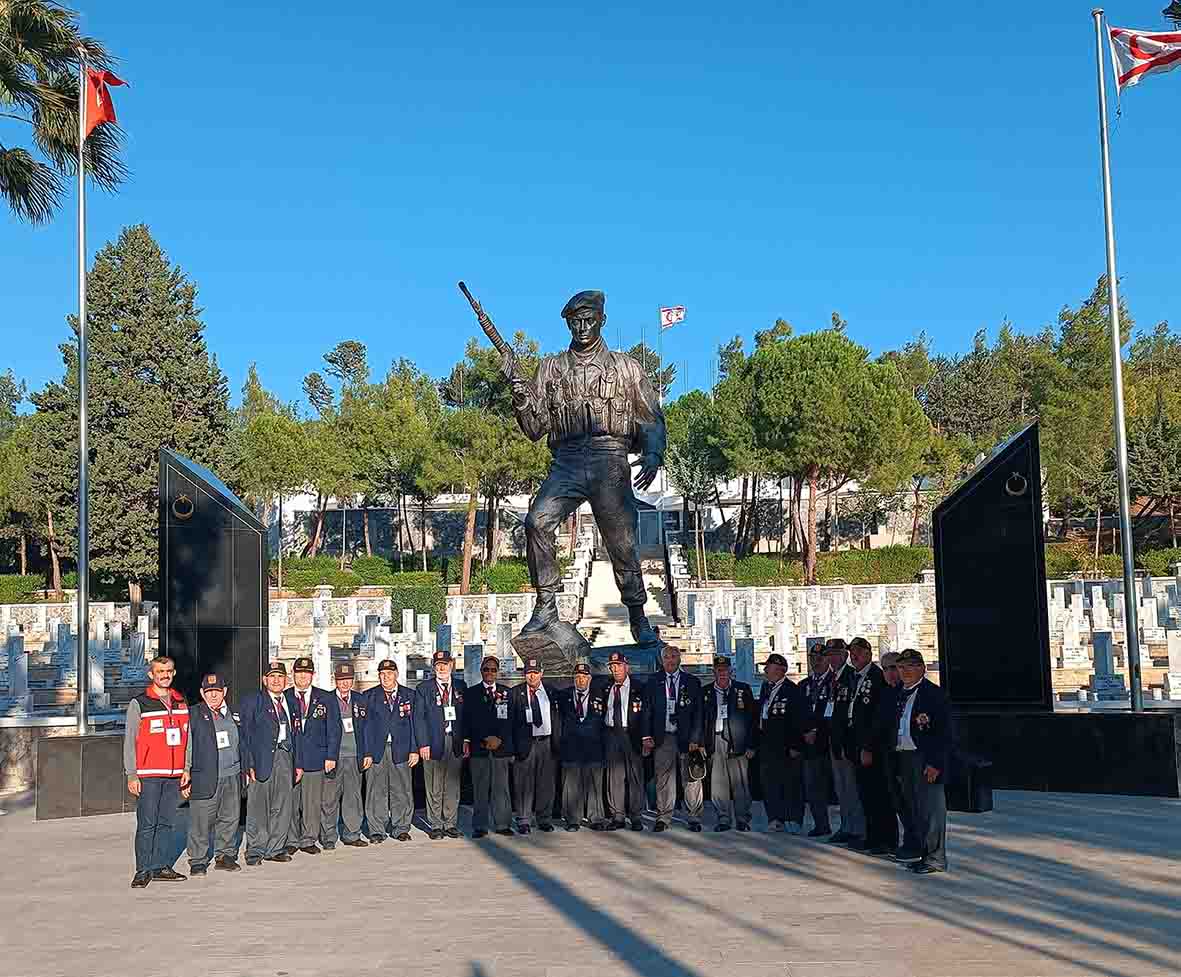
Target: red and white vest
column 162, row 736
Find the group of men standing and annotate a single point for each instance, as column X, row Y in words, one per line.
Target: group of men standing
column 317, row 766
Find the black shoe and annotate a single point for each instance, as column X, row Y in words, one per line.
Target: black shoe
column 575, row 827
column 857, row 844
column 507, row 832
column 840, row 838
column 615, row 826
column 694, row 825
column 922, row 868
column 197, row 870
column 600, row 826
column 642, row 631
column 356, row 843
column 637, row 824
column 253, row 860
column 908, row 855
column 329, row 846
column 545, row 613
column 281, row 857
column 403, row 836
column 880, row 851
column 543, row 827
column 310, row 850
column 479, row 833
column 453, row 833
column 658, row 826
column 743, row 826
column 167, row 875
column 140, row 880
column 819, row 832
column 722, row 826
column 524, row 829
column 226, row 864
column 376, row 839
column 292, row 849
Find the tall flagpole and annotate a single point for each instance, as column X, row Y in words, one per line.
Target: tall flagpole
column 83, row 460
column 1132, row 630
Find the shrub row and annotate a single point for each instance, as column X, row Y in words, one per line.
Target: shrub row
column 18, row 589
column 890, row 564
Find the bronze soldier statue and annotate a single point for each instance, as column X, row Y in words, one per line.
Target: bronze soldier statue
column 594, row 406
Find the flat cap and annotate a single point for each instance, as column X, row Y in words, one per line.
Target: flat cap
column 836, row 644
column 617, row 657
column 860, row 643
column 344, row 670
column 212, row 681
column 387, row 665
column 775, row 659
column 582, row 668
column 442, row 655
column 721, row 661
column 591, row 299
column 276, row 668
column 533, row 665
column 489, row 659
column 303, row 665
column 909, row 656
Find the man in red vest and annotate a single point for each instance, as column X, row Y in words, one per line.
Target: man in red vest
column 154, row 762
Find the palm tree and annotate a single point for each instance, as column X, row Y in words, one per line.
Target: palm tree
column 39, row 51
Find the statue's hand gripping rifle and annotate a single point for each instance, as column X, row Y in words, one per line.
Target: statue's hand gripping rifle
column 508, row 359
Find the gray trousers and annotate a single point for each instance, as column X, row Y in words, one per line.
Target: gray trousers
column 667, row 761
column 342, row 802
column 268, row 810
column 729, row 778
column 844, row 778
column 389, row 798
column 582, row 792
column 441, row 775
column 307, row 803
column 625, row 777
column 818, row 786
column 924, row 810
column 490, row 793
column 533, row 783
column 216, row 815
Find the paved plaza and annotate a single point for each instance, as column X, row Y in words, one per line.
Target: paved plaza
column 1049, row 884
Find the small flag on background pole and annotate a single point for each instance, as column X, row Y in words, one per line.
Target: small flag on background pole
column 671, row 316
column 99, row 107
column 1135, row 54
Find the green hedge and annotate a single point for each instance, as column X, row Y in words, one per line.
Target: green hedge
column 18, row 589
column 304, row 574
column 422, row 599
column 1159, row 562
column 377, row 571
column 890, row 564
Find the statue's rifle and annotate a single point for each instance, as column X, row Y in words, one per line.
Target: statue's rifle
column 507, row 356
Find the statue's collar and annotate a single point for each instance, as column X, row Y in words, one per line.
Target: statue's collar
column 586, row 355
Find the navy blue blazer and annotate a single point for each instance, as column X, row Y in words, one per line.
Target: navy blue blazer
column 391, row 725
column 582, row 741
column 864, row 730
column 482, row 718
column 688, row 709
column 359, row 706
column 638, row 721
column 742, row 717
column 259, row 731
column 203, row 737
column 931, row 725
column 429, row 724
column 780, row 731
column 841, row 694
column 319, row 731
column 521, row 716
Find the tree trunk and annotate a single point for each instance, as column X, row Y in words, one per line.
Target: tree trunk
column 365, row 529
column 488, row 528
column 736, row 549
column 828, row 533
column 54, row 561
column 422, row 514
column 280, row 581
column 469, row 538
column 810, row 537
column 1172, row 532
column 135, row 596
column 400, row 506
column 797, row 517
column 313, row 546
column 1098, row 525
column 24, row 548
column 492, row 561
column 781, row 522
column 344, row 533
column 914, row 526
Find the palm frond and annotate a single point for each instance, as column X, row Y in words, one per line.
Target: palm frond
column 33, row 189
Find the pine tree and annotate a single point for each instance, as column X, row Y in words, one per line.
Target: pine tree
column 152, row 383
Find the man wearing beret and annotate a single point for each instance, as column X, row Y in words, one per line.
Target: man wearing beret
column 729, row 717
column 213, row 779
column 342, row 787
column 594, row 406
column 778, row 746
column 269, row 748
column 626, row 720
column 319, row 747
column 488, row 740
column 582, row 721
column 533, row 708
column 673, row 731
column 438, row 730
column 391, row 744
column 923, row 744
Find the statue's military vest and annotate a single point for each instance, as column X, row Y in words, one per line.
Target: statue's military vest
column 590, row 396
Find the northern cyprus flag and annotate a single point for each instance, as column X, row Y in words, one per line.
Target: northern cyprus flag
column 1138, row 53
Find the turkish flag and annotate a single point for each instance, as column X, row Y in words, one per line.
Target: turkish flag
column 99, row 107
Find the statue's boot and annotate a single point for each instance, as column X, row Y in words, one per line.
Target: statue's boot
column 545, row 613
column 642, row 631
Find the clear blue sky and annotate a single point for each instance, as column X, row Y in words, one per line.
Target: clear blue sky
column 914, row 166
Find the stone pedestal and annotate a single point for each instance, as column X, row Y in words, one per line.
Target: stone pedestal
column 723, row 632
column 473, row 654
column 744, row 660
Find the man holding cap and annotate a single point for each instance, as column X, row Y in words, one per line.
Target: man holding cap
column 778, row 747
column 438, row 731
column 488, row 740
column 392, row 746
column 923, row 747
column 729, row 718
column 213, row 779
column 581, row 722
column 269, row 748
column 673, row 731
column 534, row 711
column 342, row 787
column 319, row 748
column 626, row 719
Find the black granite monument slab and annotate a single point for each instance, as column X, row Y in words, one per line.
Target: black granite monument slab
column 213, row 579
column 990, row 584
